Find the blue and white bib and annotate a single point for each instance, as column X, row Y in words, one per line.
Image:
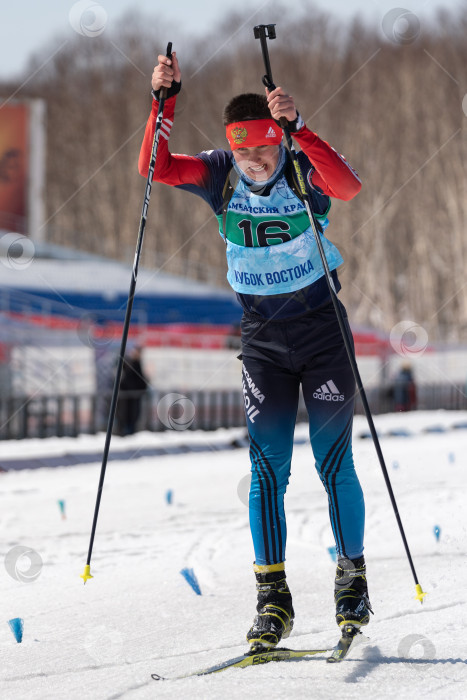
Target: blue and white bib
column 271, row 247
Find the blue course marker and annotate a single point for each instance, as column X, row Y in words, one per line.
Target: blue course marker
column 332, row 553
column 16, row 626
column 169, row 496
column 62, row 506
column 189, row 576
column 437, row 532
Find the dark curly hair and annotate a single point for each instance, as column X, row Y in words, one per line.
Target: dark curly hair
column 247, row 106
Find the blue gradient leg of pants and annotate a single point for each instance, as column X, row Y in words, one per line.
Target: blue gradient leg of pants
column 330, row 418
column 277, row 358
column 271, row 432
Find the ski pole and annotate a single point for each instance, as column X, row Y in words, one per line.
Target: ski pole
column 268, row 31
column 126, row 324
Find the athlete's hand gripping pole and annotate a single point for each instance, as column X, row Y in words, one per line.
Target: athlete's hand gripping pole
column 263, row 32
column 126, row 325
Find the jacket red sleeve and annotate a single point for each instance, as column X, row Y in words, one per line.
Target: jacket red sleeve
column 170, row 169
column 333, row 175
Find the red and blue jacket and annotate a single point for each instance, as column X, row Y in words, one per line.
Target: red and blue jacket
column 276, row 271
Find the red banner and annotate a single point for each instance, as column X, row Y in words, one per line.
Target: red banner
column 14, row 144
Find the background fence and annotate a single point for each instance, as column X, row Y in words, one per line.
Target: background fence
column 72, row 415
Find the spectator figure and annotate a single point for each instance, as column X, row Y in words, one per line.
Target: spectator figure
column 405, row 393
column 132, row 387
column 106, row 369
column 233, row 340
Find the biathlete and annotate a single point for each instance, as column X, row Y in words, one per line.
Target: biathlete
column 290, row 333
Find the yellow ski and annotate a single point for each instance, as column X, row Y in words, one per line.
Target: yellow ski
column 257, row 659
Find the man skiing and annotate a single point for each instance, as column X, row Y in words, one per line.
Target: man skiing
column 290, row 334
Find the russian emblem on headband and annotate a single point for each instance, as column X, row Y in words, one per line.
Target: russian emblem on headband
column 239, row 134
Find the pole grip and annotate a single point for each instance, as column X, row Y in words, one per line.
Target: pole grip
column 168, row 53
column 261, row 32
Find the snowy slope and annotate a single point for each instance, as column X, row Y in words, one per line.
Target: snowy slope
column 138, row 615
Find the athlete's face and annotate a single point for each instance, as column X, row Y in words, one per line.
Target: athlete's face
column 259, row 162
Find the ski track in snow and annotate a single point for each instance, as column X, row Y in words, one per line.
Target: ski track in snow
column 138, row 615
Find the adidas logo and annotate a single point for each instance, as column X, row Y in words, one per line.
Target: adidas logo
column 328, row 392
column 271, row 133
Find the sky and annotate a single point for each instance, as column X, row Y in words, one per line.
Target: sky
column 27, row 26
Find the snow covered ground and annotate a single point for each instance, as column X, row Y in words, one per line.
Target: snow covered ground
column 138, row 615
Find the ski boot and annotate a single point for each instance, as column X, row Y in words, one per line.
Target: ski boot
column 274, row 620
column 351, row 593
